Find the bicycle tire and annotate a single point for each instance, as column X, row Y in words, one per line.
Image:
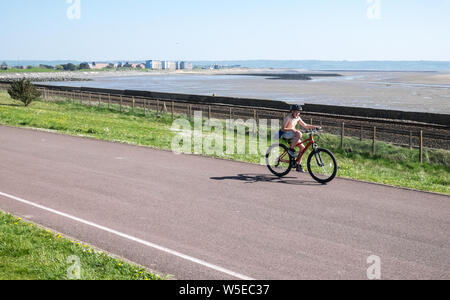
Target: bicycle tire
column 273, row 171
column 312, row 156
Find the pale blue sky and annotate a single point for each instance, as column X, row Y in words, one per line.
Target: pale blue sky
column 225, row 30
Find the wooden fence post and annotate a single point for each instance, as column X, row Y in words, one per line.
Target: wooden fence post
column 342, row 135
column 374, row 147
column 410, row 140
column 173, row 110
column 231, row 113
column 99, row 99
column 361, row 134
column 109, row 101
column 133, row 103
column 421, row 147
column 209, row 112
column 121, row 101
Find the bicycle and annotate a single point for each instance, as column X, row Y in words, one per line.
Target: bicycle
column 322, row 165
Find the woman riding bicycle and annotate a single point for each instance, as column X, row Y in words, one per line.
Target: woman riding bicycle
column 289, row 132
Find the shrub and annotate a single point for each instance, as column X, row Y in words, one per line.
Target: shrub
column 84, row 66
column 23, row 90
column 69, row 67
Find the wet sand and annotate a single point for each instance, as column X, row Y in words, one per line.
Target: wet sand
column 406, row 91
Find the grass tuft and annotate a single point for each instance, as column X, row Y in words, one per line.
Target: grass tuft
column 28, row 252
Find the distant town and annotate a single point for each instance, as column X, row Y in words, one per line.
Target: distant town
column 148, row 65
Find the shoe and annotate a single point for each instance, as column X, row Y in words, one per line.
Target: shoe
column 292, row 152
column 300, row 169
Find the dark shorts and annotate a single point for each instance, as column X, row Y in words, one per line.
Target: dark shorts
column 287, row 135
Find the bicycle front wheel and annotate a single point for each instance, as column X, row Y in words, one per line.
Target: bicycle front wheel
column 278, row 160
column 322, row 166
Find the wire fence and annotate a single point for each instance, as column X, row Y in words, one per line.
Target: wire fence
column 416, row 136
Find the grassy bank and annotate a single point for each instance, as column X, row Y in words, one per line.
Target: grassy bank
column 28, row 252
column 32, row 70
column 392, row 165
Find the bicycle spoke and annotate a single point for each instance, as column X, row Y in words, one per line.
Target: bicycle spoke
column 278, row 160
column 323, row 167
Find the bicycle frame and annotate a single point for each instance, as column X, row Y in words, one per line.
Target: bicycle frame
column 310, row 142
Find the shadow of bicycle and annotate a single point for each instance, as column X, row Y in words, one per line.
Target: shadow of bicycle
column 255, row 178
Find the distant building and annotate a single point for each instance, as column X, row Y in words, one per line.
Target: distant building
column 4, row 66
column 153, row 64
column 98, row 66
column 186, row 65
column 169, row 65
column 138, row 66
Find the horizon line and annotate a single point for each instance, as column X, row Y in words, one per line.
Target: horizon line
column 214, row 60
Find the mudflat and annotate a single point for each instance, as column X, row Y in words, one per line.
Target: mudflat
column 405, row 91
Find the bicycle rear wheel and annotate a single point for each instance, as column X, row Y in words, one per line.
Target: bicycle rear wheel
column 278, row 160
column 322, row 165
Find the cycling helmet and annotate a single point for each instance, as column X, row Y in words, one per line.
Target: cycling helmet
column 296, row 107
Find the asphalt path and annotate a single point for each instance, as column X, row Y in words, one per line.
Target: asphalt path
column 201, row 218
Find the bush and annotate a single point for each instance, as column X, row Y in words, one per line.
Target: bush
column 23, row 90
column 84, row 66
column 69, row 67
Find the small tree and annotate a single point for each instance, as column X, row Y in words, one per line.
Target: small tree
column 84, row 66
column 69, row 67
column 23, row 90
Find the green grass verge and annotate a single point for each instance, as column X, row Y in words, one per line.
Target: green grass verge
column 391, row 165
column 32, row 70
column 28, row 252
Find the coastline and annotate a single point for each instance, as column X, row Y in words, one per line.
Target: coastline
column 90, row 75
column 404, row 91
column 419, row 77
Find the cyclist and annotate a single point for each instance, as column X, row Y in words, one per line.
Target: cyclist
column 289, row 132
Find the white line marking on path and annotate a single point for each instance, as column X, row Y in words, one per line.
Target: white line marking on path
column 131, row 238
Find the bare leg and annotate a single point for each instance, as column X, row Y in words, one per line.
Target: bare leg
column 297, row 138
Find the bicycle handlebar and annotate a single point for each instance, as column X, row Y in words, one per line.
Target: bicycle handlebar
column 315, row 131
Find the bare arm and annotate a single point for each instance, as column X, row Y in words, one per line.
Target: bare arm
column 306, row 126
